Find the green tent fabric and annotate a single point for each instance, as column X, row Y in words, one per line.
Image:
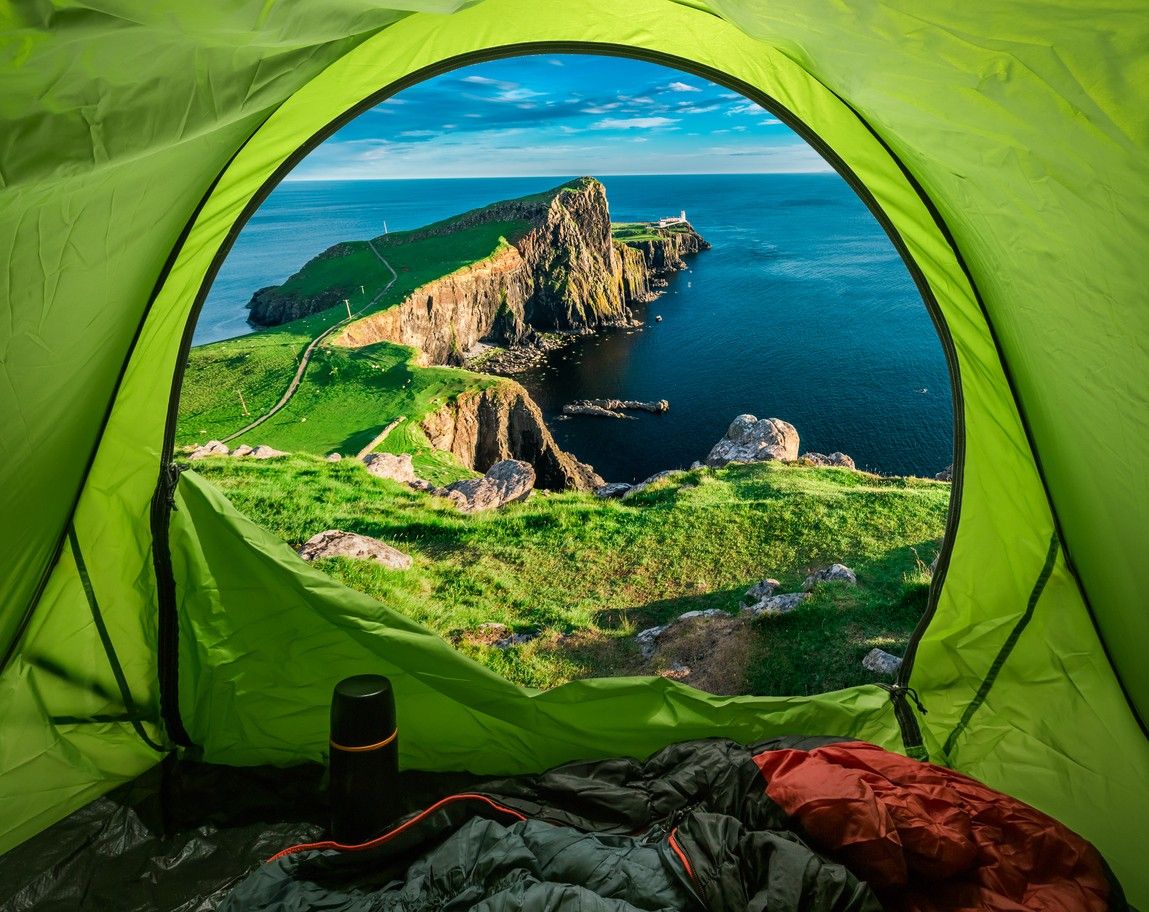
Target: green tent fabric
column 1006, row 148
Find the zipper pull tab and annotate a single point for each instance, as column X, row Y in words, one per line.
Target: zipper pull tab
column 913, row 695
column 899, row 690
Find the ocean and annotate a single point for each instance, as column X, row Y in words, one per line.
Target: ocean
column 802, row 310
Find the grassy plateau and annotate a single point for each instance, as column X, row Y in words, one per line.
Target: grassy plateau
column 586, row 574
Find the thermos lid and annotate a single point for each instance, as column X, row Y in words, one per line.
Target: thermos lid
column 362, row 711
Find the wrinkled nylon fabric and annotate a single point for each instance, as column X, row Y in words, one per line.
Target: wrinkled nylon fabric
column 905, row 826
column 1031, row 144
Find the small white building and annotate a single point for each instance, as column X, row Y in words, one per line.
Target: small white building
column 679, row 219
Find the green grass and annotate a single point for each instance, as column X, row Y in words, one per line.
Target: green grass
column 350, row 395
column 260, row 366
column 589, row 573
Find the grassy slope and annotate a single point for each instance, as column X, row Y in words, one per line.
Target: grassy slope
column 347, row 396
column 590, row 573
column 644, row 231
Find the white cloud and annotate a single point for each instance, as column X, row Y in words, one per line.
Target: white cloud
column 633, row 123
column 696, row 109
column 487, row 81
column 554, row 61
column 749, row 108
column 419, row 134
column 683, row 87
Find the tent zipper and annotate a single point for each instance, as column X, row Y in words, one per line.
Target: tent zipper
column 167, row 634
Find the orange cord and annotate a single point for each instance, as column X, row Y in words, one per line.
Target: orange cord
column 367, row 747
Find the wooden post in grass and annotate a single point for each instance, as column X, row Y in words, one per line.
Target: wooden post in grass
column 348, row 303
column 242, row 402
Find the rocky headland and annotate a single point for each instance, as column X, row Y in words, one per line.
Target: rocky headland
column 562, row 275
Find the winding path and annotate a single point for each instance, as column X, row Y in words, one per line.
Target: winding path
column 306, row 359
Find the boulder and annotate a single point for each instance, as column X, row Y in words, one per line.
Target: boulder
column 242, row 450
column 211, row 448
column 835, row 573
column 946, row 474
column 505, row 482
column 647, row 639
column 334, row 457
column 749, row 439
column 337, row 543
column 761, row 590
column 396, row 466
column 840, row 460
column 776, row 605
column 614, row 489
column 263, row 451
column 881, row 662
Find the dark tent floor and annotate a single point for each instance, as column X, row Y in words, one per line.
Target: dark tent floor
column 794, row 823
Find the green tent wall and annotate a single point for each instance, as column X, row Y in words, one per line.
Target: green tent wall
column 1005, row 147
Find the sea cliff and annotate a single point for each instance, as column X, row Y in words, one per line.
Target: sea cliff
column 564, row 272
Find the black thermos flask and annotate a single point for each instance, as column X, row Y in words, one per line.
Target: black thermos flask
column 364, row 759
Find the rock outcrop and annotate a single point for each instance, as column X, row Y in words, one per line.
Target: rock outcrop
column 613, row 408
column 750, row 439
column 396, row 466
column 835, row 573
column 337, row 543
column 881, row 662
column 836, row 459
column 775, row 605
column 505, row 482
column 483, row 427
column 665, row 253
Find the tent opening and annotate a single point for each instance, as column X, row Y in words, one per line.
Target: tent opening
column 592, row 381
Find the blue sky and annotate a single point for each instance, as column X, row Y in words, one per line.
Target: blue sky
column 560, row 115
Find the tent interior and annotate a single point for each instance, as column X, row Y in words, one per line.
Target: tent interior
column 163, row 651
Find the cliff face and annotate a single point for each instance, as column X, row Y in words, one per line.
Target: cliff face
column 665, row 253
column 444, row 318
column 487, row 426
column 564, row 273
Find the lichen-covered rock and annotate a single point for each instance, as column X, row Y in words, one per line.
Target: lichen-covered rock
column 776, row 605
column 880, row 662
column 263, row 451
column 337, row 543
column 946, row 474
column 749, row 439
column 839, row 460
column 647, row 639
column 505, row 482
column 761, row 590
column 613, row 490
column 396, row 466
column 334, row 457
column 242, row 450
column 835, row 573
column 211, row 448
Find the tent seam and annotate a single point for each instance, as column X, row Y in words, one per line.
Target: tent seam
column 129, row 702
column 1007, row 647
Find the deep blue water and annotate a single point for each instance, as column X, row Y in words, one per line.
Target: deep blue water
column 802, row 311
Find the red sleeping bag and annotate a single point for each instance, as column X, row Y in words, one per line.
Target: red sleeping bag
column 929, row 839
